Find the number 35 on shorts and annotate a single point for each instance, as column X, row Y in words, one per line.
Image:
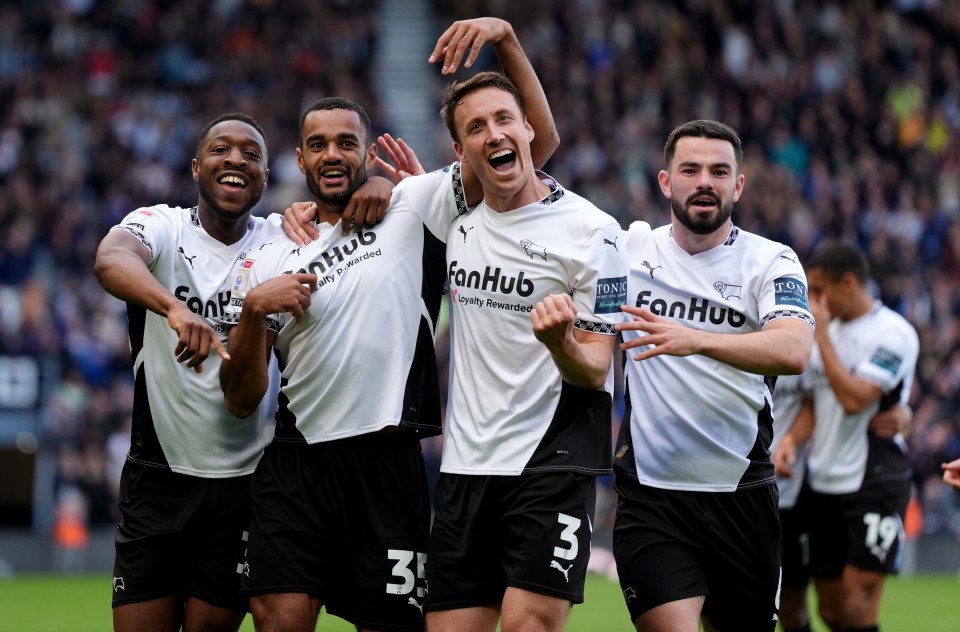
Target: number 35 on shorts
column 406, row 564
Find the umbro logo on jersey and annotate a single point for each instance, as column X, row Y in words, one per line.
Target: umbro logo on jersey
column 533, row 249
column 189, row 259
column 646, row 264
column 728, row 291
column 611, row 243
column 463, row 231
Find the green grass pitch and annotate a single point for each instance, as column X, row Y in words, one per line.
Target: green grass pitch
column 49, row 603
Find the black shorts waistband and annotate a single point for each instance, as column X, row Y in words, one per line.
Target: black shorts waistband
column 370, row 441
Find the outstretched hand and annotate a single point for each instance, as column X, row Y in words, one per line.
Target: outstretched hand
column 463, row 35
column 195, row 337
column 404, row 159
column 664, row 335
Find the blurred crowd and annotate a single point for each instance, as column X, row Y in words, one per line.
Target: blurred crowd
column 849, row 112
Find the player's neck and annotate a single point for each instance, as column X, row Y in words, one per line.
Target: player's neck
column 225, row 228
column 531, row 192
column 694, row 243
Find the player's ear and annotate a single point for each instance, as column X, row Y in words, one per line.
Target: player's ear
column 195, row 168
column 458, row 148
column 371, row 158
column 303, row 169
column 663, row 178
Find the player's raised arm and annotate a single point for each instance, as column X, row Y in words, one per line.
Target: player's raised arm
column 471, row 35
column 121, row 268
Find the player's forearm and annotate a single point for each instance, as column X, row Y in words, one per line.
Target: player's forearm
column 853, row 393
column 802, row 428
column 516, row 66
column 783, row 351
column 584, row 364
column 243, row 377
column 124, row 275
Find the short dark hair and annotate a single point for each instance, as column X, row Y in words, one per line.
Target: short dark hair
column 703, row 129
column 456, row 91
column 338, row 103
column 838, row 257
column 232, row 116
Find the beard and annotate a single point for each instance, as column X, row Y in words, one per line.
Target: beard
column 337, row 200
column 701, row 225
column 228, row 216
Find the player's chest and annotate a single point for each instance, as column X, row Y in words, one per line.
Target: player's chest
column 515, row 260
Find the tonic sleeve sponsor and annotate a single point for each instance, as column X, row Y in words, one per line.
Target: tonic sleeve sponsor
column 887, row 360
column 791, row 292
column 611, row 294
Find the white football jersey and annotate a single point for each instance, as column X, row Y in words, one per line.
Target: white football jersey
column 179, row 420
column 362, row 358
column 788, row 397
column 694, row 423
column 880, row 347
column 509, row 410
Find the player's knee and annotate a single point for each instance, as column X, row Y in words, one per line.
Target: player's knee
column 546, row 619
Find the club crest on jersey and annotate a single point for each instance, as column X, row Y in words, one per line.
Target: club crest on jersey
column 533, row 249
column 791, row 291
column 611, row 294
column 728, row 290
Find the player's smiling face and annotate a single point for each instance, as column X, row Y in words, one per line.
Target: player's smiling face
column 231, row 169
column 494, row 139
column 702, row 183
column 334, row 156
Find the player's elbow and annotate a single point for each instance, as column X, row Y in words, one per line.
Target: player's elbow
column 592, row 380
column 239, row 407
column 242, row 401
column 796, row 354
column 101, row 268
column 795, row 365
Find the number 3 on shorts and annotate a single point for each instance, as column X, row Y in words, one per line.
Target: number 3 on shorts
column 568, row 535
column 402, row 570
